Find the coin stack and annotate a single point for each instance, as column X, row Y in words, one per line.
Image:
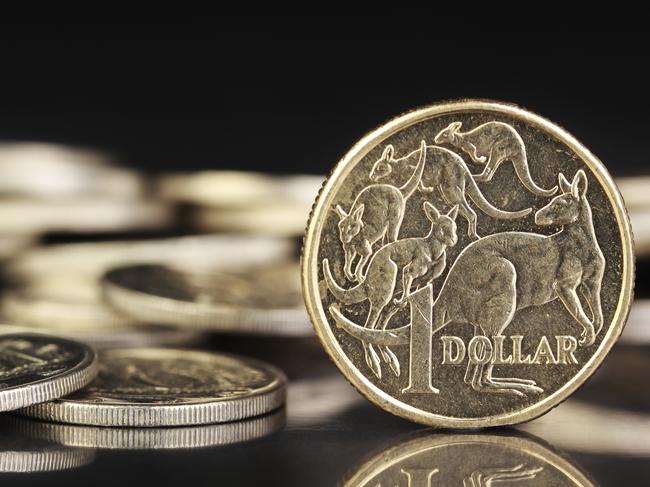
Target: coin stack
column 115, row 289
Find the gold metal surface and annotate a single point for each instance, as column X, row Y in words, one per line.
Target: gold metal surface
column 487, row 251
column 469, row 461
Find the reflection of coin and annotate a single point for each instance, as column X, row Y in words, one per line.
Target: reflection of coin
column 159, row 387
column 82, row 215
column 468, row 264
column 263, row 299
column 153, row 438
column 36, row 368
column 20, row 455
column 469, row 460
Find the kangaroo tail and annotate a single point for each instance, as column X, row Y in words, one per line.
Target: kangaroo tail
column 523, row 173
column 411, row 185
column 346, row 296
column 486, row 207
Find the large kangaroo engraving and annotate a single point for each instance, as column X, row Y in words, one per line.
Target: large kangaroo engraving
column 491, row 144
column 448, row 180
column 498, row 275
column 415, row 258
column 377, row 212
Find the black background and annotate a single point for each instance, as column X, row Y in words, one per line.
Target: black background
column 292, row 94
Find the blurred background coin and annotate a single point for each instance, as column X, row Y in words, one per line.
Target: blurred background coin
column 103, row 437
column 51, row 171
column 91, row 214
column 164, row 387
column 36, row 368
column 260, row 299
column 254, row 203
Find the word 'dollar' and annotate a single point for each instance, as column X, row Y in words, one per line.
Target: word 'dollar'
column 483, row 350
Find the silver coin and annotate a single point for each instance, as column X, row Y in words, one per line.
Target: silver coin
column 20, row 216
column 36, row 368
column 52, row 171
column 20, row 455
column 640, row 220
column 153, row 438
column 238, row 189
column 151, row 387
column 74, row 267
column 637, row 328
column 261, row 299
column 635, row 191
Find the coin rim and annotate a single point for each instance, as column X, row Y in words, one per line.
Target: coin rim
column 50, row 388
column 310, row 266
column 78, row 412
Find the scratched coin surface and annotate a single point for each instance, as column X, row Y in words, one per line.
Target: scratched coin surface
column 37, row 368
column 471, row 461
column 468, row 264
column 149, row 387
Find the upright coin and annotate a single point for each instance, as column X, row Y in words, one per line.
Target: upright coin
column 38, row 368
column 151, row 387
column 468, row 264
column 258, row 299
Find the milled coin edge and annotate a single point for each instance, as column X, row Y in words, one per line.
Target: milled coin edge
column 51, row 388
column 264, row 400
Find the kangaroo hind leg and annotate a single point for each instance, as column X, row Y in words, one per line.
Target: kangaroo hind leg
column 456, row 196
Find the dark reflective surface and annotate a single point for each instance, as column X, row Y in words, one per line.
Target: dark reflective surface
column 599, row 437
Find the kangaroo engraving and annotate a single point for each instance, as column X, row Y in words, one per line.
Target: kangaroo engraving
column 448, row 180
column 376, row 213
column 488, row 477
column 498, row 275
column 414, row 257
column 491, row 144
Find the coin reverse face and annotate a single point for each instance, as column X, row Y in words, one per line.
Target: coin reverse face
column 148, row 387
column 468, row 264
column 37, row 368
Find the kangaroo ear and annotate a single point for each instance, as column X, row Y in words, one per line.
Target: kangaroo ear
column 455, row 126
column 357, row 214
column 565, row 185
column 431, row 211
column 579, row 185
column 341, row 212
column 388, row 153
column 453, row 213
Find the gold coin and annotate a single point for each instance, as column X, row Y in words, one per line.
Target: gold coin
column 468, row 264
column 469, row 460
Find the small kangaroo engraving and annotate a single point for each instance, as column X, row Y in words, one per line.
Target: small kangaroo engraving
column 376, row 213
column 414, row 257
column 448, row 180
column 498, row 275
column 491, row 144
